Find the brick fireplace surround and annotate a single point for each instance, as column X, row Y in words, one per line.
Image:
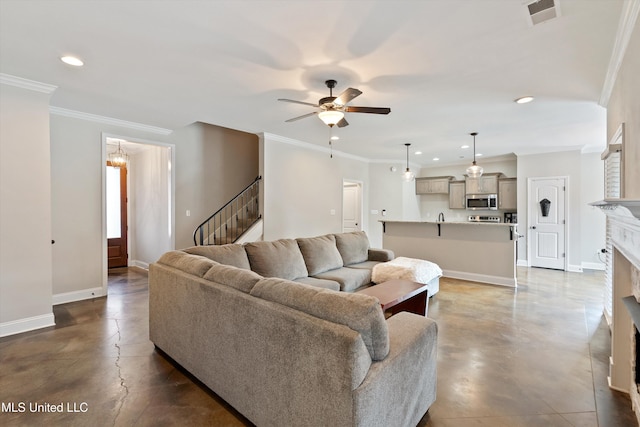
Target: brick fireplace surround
column 624, row 219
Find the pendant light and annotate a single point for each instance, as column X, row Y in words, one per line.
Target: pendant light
column 408, row 176
column 474, row 171
column 118, row 158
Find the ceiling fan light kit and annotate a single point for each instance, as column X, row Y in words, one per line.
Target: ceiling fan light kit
column 474, row 171
column 331, row 117
column 332, row 108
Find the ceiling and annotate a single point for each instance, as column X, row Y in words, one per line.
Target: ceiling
column 445, row 68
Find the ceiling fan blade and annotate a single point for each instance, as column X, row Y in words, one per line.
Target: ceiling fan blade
column 302, row 117
column 372, row 110
column 298, row 102
column 346, row 96
column 342, row 123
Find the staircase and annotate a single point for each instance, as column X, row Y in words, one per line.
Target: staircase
column 232, row 220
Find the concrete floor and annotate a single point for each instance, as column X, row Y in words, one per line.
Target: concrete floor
column 535, row 356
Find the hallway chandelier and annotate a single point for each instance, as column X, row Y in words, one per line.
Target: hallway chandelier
column 408, row 176
column 118, row 158
column 474, row 171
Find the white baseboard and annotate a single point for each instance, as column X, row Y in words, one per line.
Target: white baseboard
column 483, row 278
column 80, row 295
column 593, row 266
column 27, row 324
column 522, row 263
column 574, row 268
column 139, row 264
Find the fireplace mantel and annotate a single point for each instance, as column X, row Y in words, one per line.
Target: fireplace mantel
column 632, row 206
column 624, row 221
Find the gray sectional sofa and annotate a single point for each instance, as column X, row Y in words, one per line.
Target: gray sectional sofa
column 269, row 332
column 341, row 262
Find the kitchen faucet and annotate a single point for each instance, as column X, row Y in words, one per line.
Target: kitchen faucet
column 441, row 217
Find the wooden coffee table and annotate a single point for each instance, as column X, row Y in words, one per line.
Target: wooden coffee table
column 397, row 295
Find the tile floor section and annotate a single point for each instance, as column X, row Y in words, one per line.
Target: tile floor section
column 535, row 356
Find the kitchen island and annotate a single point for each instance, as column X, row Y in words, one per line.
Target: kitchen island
column 478, row 251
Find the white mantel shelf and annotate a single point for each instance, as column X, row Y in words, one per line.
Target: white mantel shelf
column 632, row 205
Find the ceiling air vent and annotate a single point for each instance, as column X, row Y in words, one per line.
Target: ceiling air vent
column 541, row 11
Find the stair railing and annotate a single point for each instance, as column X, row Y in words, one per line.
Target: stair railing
column 229, row 222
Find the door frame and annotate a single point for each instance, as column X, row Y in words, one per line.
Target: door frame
column 172, row 198
column 567, row 216
column 360, row 186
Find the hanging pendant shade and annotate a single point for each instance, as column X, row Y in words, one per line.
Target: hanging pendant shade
column 118, row 158
column 474, row 171
column 408, row 176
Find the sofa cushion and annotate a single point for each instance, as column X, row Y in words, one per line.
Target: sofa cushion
column 319, row 283
column 237, row 278
column 367, row 265
column 353, row 247
column 192, row 264
column 350, row 279
column 362, row 313
column 320, row 253
column 280, row 258
column 231, row 254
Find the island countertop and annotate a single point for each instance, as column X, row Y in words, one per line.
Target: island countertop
column 477, row 251
column 499, row 224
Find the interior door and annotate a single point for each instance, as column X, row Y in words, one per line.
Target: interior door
column 547, row 222
column 116, row 216
column 351, row 207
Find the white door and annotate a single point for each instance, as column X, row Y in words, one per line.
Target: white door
column 351, row 206
column 547, row 222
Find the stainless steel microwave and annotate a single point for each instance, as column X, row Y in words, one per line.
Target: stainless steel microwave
column 478, row 202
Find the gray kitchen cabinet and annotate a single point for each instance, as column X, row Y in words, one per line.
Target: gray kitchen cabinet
column 433, row 185
column 486, row 184
column 457, row 193
column 507, row 194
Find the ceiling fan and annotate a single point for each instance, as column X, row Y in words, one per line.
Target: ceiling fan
column 332, row 108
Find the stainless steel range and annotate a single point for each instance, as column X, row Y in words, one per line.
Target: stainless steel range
column 484, row 218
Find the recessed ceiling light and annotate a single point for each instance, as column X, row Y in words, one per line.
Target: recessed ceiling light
column 418, row 153
column 335, row 138
column 479, row 154
column 72, row 60
column 464, row 147
column 523, row 99
column 435, row 159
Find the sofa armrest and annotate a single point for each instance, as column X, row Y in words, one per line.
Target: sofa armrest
column 382, row 255
column 399, row 389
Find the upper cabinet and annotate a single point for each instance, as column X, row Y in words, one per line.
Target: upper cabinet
column 457, row 199
column 433, row 185
column 486, row 184
column 507, row 194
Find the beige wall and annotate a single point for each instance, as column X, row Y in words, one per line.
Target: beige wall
column 303, row 186
column 77, row 203
column 25, row 211
column 150, row 225
column 624, row 107
column 577, row 167
column 213, row 164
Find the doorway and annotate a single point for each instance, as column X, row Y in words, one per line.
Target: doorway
column 117, row 254
column 351, row 206
column 547, row 225
column 149, row 204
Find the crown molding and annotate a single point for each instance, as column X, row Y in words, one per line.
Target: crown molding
column 7, row 79
column 108, row 120
column 628, row 18
column 307, row 145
